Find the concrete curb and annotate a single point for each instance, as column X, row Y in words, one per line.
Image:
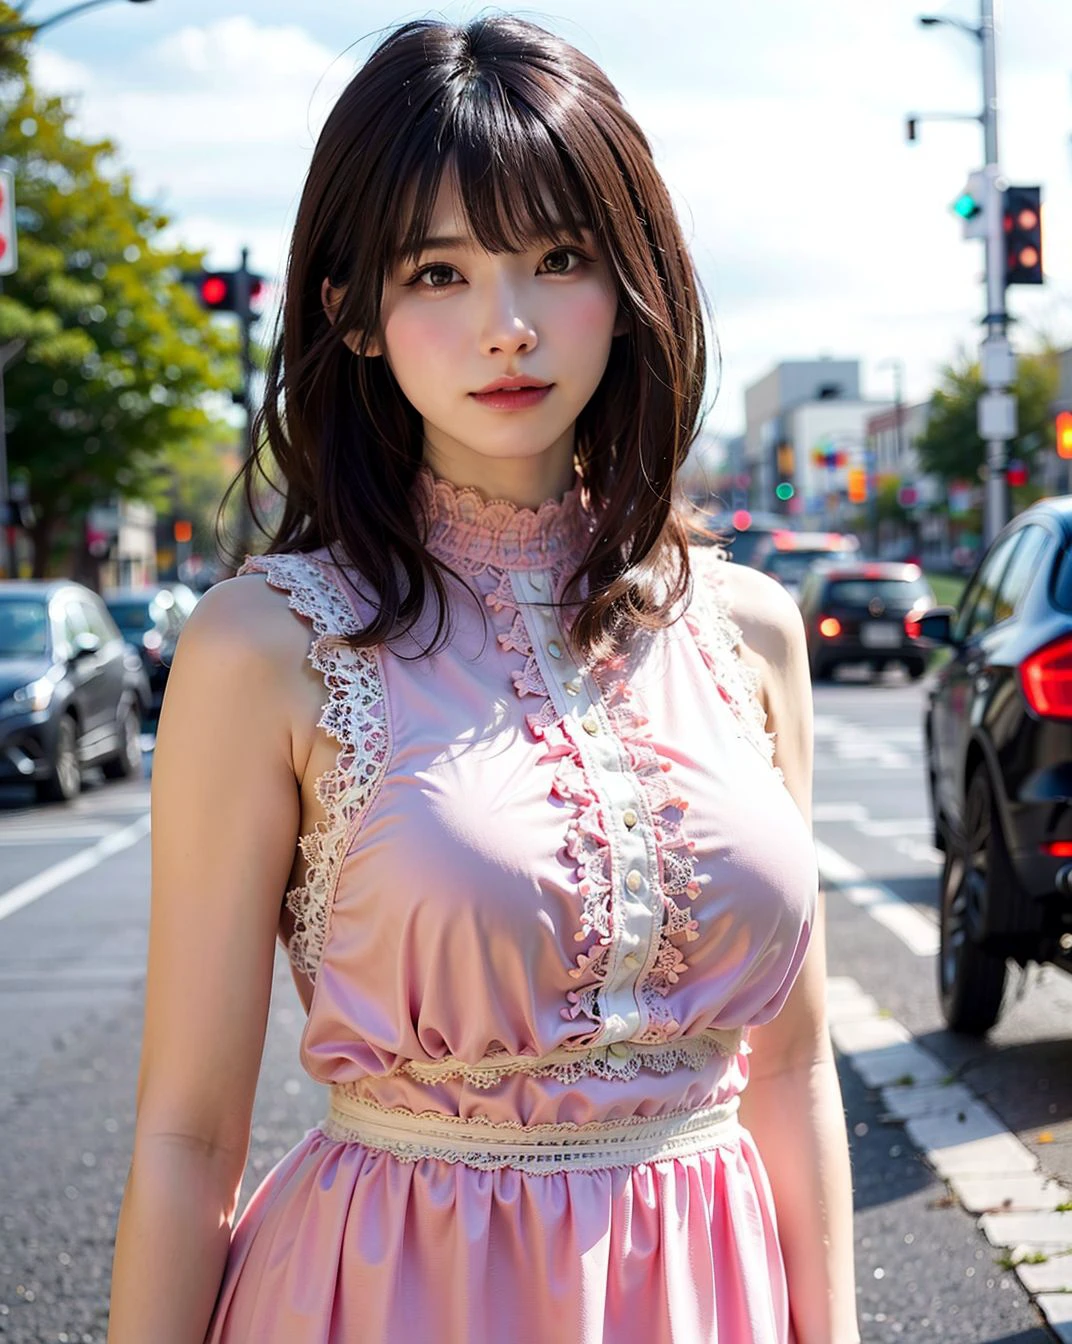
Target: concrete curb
column 992, row 1174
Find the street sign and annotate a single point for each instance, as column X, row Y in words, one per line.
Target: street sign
column 9, row 250
column 997, row 416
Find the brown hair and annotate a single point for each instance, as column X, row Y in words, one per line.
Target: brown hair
column 541, row 146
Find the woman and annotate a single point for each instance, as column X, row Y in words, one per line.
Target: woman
column 555, row 900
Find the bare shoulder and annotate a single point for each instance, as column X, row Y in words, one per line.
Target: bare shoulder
column 767, row 616
column 245, row 619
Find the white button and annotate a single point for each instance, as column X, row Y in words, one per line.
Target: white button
column 630, row 817
column 632, row 961
column 590, row 724
column 620, row 1049
column 635, row 880
column 554, row 649
column 573, row 688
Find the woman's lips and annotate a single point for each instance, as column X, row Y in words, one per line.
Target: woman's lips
column 512, row 398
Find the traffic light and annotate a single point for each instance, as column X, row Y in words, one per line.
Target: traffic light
column 785, row 461
column 1022, row 219
column 970, row 206
column 220, row 291
column 1064, row 434
column 857, row 485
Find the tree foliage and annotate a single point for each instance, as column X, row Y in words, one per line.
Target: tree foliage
column 113, row 362
column 951, row 447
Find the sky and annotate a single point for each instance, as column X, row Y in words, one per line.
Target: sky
column 779, row 127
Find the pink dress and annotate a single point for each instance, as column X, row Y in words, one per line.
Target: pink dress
column 546, row 905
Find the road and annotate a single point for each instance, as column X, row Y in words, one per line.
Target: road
column 73, row 913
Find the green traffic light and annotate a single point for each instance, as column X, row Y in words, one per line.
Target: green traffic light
column 966, row 206
column 784, row 490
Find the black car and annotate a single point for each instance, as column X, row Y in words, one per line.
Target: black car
column 151, row 620
column 864, row 612
column 70, row 692
column 998, row 728
column 747, row 536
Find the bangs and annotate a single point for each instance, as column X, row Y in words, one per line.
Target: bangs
column 512, row 176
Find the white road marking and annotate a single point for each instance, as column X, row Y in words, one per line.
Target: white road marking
column 987, row 1168
column 916, row 930
column 42, row 883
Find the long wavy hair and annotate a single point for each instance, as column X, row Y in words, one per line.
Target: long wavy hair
column 540, row 145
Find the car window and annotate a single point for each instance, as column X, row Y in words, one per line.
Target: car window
column 1020, row 570
column 859, row 592
column 23, row 627
column 131, row 615
column 977, row 608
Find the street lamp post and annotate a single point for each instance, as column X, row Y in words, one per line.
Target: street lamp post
column 27, row 29
column 997, row 364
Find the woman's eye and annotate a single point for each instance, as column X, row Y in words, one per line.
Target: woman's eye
column 437, row 277
column 562, row 261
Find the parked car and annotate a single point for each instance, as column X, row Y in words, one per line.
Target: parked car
column 151, row 620
column 862, row 612
column 791, row 554
column 998, row 732
column 71, row 695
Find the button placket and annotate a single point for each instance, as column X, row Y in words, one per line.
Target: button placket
column 636, row 901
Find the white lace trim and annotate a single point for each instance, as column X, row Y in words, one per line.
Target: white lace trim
column 542, row 1149
column 622, row 1060
column 355, row 715
column 719, row 639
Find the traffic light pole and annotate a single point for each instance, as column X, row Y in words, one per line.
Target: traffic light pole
column 244, row 298
column 997, row 414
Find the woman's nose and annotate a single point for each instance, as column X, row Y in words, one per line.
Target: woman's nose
column 508, row 330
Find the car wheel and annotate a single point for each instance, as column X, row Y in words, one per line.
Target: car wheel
column 916, row 670
column 971, row 978
column 64, row 780
column 822, row 672
column 127, row 762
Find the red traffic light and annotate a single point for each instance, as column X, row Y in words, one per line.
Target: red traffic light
column 1022, row 220
column 213, row 291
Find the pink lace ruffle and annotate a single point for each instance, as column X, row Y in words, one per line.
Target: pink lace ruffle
column 587, row 843
column 355, row 715
column 473, row 533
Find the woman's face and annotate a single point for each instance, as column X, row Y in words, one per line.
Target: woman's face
column 458, row 320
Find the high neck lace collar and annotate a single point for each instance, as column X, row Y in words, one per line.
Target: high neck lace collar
column 466, row 529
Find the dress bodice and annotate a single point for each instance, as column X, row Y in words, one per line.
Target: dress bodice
column 543, row 889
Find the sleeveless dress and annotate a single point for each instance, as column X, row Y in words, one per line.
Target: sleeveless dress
column 546, row 905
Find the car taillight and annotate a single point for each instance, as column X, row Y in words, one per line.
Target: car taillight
column 1046, row 679
column 830, row 626
column 911, row 625
column 1058, row 849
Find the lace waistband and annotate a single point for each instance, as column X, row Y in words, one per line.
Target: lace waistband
column 487, row 1145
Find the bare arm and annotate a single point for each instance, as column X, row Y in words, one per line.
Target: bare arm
column 225, row 807
column 792, row 1062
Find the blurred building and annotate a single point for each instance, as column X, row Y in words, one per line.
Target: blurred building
column 806, row 430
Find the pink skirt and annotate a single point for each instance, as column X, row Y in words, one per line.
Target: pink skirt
column 343, row 1243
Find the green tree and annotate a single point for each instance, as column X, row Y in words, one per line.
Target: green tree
column 951, row 447
column 116, row 366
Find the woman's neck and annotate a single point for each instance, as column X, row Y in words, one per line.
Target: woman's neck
column 526, row 481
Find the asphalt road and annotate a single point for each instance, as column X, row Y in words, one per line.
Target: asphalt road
column 71, row 982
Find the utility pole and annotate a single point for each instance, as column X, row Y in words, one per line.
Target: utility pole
column 244, row 283
column 997, row 406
